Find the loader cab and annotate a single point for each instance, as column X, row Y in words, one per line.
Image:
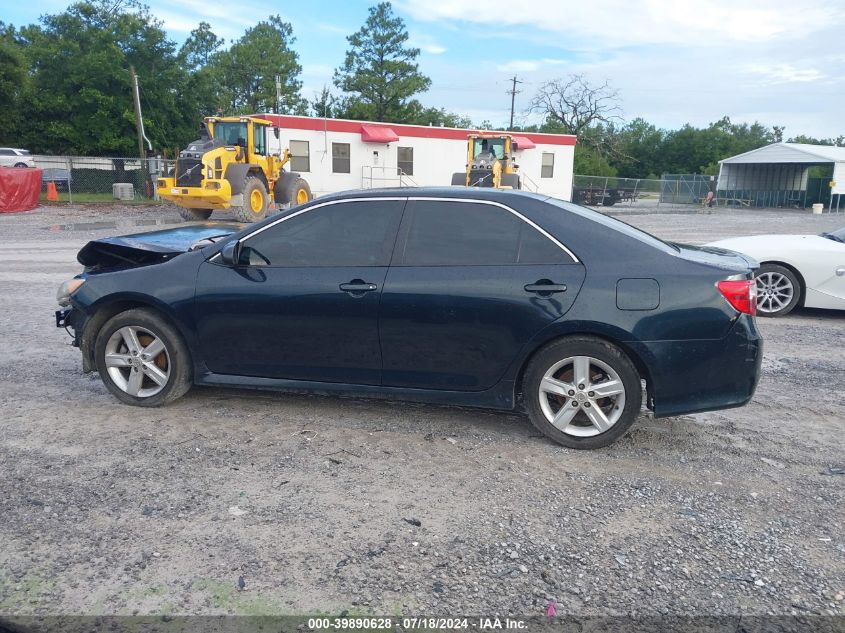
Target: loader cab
column 247, row 133
column 494, row 146
column 232, row 133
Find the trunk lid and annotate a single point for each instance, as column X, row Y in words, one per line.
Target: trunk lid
column 718, row 257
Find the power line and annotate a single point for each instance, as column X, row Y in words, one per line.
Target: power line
column 513, row 91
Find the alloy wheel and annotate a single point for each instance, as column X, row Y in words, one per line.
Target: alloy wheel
column 774, row 292
column 137, row 361
column 582, row 396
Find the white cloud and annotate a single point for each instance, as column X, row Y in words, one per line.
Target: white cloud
column 333, row 28
column 785, row 73
column 425, row 43
column 528, row 65
column 620, row 23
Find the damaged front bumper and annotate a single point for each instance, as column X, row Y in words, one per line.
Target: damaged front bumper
column 62, row 317
column 71, row 320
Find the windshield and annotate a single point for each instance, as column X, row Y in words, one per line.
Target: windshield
column 231, row 133
column 495, row 146
column 836, row 236
column 619, row 225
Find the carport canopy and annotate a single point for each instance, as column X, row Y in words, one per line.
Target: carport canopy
column 781, row 167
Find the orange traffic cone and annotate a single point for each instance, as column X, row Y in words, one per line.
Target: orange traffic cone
column 52, row 194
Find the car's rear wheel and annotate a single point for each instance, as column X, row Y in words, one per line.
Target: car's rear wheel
column 778, row 290
column 582, row 392
column 20, row 164
column 142, row 359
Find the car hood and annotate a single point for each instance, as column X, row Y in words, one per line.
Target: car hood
column 141, row 249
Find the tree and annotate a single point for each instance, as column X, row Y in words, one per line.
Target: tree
column 380, row 71
column 200, row 46
column 13, row 75
column 418, row 114
column 247, row 71
column 577, row 104
column 639, row 145
column 326, row 105
column 203, row 88
column 78, row 98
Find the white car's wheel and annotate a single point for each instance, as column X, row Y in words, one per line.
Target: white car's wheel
column 778, row 290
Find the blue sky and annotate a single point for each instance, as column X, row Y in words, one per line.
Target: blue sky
column 673, row 61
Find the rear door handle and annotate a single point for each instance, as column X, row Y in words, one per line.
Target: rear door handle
column 358, row 287
column 545, row 287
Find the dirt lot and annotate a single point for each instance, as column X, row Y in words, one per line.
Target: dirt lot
column 314, row 501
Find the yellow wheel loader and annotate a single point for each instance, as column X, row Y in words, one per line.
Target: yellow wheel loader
column 490, row 162
column 230, row 167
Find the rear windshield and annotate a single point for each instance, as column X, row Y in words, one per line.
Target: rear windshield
column 617, row 225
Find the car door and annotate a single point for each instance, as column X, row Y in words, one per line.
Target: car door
column 470, row 283
column 828, row 268
column 302, row 302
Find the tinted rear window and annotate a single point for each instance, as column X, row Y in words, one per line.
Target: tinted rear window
column 618, row 225
column 442, row 233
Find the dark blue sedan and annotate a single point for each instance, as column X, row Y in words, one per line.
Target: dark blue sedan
column 474, row 297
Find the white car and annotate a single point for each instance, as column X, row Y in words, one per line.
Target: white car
column 806, row 270
column 11, row 157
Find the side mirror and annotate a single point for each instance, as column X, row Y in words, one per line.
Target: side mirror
column 229, row 254
column 276, row 133
column 514, row 146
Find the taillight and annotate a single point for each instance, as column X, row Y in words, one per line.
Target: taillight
column 740, row 293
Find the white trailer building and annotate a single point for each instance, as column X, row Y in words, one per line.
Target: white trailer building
column 338, row 154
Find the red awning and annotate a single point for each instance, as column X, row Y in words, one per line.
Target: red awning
column 523, row 142
column 378, row 134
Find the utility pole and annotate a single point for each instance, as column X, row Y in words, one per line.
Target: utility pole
column 139, row 122
column 513, row 92
column 278, row 94
column 139, row 126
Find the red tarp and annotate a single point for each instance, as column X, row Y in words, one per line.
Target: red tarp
column 19, row 188
column 524, row 142
column 378, row 134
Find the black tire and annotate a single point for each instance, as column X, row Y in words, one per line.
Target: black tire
column 191, row 215
column 596, row 350
column 296, row 192
column 768, row 277
column 20, row 164
column 459, row 179
column 511, row 180
column 176, row 358
column 246, row 212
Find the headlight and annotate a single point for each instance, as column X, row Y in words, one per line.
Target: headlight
column 67, row 289
column 209, row 173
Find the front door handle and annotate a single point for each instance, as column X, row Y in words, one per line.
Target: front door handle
column 358, row 287
column 840, row 272
column 545, row 287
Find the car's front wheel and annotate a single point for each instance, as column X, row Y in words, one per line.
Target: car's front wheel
column 582, row 392
column 142, row 359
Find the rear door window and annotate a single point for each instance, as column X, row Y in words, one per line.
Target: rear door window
column 446, row 233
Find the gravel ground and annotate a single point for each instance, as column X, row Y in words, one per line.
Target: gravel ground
column 322, row 504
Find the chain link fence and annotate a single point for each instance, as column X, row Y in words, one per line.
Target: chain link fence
column 670, row 190
column 83, row 179
column 608, row 191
